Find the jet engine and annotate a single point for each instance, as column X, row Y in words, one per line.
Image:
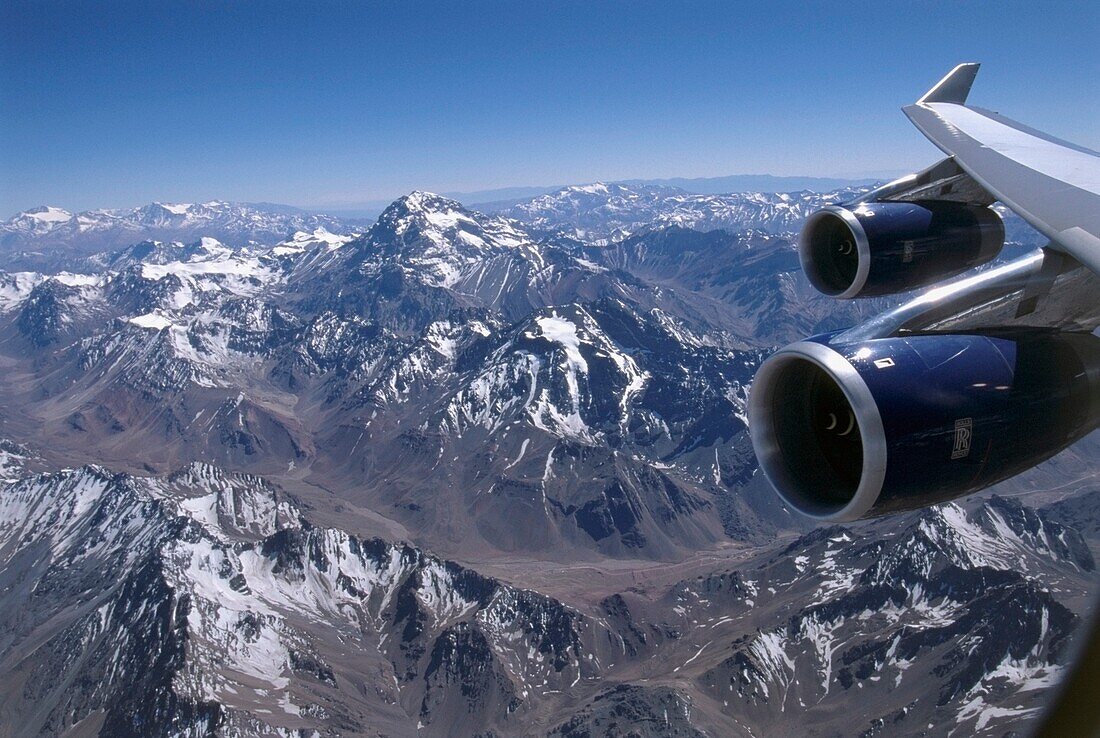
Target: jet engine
column 882, row 248
column 854, row 430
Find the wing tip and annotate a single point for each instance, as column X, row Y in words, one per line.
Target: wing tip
column 955, row 87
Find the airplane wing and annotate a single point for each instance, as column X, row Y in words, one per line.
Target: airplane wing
column 979, row 377
column 1054, row 185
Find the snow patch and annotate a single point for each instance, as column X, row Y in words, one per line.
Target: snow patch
column 152, row 321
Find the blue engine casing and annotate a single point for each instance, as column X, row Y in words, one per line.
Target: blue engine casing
column 882, row 248
column 852, row 430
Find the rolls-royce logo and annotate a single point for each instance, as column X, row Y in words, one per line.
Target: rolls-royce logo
column 906, row 251
column 963, row 428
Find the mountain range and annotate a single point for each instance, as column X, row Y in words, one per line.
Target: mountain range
column 453, row 472
column 204, row 602
column 50, row 238
column 29, row 239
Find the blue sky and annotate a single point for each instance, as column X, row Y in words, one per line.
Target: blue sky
column 334, row 104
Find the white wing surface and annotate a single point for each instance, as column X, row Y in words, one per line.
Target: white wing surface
column 1054, row 185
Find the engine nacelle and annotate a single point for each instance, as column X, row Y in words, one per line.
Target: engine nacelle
column 882, row 248
column 858, row 430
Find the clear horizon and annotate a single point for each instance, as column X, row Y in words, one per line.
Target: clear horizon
column 335, row 106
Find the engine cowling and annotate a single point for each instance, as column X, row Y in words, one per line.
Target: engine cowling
column 848, row 431
column 882, row 248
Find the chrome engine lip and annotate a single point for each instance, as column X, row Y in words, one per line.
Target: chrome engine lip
column 770, row 456
column 863, row 251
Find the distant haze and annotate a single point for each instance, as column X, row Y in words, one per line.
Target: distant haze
column 694, row 185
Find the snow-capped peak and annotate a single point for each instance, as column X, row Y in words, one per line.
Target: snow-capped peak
column 302, row 241
column 441, row 241
column 438, row 211
column 424, row 200
column 595, row 188
column 177, row 209
column 37, row 221
column 213, row 246
column 48, row 214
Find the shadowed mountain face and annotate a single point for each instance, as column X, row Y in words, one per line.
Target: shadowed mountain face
column 554, row 398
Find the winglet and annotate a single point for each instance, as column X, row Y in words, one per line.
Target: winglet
column 954, row 87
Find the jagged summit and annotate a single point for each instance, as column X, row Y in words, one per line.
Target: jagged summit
column 422, row 200
column 425, row 240
column 438, row 218
column 422, row 213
